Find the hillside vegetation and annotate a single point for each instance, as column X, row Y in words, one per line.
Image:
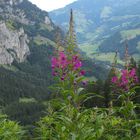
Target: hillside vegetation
column 80, row 109
column 103, row 26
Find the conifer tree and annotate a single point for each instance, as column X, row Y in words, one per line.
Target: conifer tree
column 129, row 60
column 107, row 84
column 137, row 96
column 138, row 70
column 59, row 42
column 126, row 56
column 133, row 63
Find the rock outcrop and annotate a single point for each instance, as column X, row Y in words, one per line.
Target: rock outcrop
column 17, row 16
column 13, row 45
column 8, row 11
column 11, row 2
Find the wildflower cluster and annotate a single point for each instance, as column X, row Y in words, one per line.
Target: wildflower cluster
column 126, row 79
column 63, row 65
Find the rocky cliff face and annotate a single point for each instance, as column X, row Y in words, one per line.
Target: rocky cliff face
column 13, row 42
column 9, row 10
column 13, row 45
column 11, row 2
column 19, row 19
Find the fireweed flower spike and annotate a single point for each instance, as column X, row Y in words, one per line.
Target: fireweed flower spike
column 114, row 79
column 77, row 65
column 127, row 79
column 62, row 65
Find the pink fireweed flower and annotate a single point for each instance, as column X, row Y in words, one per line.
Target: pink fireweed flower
column 127, row 79
column 54, row 62
column 63, row 64
column 82, row 72
column 114, row 79
column 133, row 72
column 77, row 65
column 124, row 72
column 124, row 81
column 74, row 58
column 62, row 60
column 136, row 79
column 62, row 55
column 62, row 78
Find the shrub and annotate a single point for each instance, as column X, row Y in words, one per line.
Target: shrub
column 10, row 130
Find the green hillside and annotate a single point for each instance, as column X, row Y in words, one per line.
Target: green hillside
column 24, row 86
column 103, row 26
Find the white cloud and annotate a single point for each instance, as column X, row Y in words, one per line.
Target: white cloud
column 49, row 5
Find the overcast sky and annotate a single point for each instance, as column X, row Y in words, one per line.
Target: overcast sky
column 49, row 5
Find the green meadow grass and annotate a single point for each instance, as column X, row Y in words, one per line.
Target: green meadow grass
column 130, row 34
column 40, row 40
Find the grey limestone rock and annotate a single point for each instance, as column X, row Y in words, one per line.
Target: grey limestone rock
column 13, row 45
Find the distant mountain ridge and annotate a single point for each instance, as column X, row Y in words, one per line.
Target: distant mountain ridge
column 104, row 26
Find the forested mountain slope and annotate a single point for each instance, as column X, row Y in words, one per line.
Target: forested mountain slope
column 27, row 42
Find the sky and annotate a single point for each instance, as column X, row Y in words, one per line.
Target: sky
column 49, row 5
